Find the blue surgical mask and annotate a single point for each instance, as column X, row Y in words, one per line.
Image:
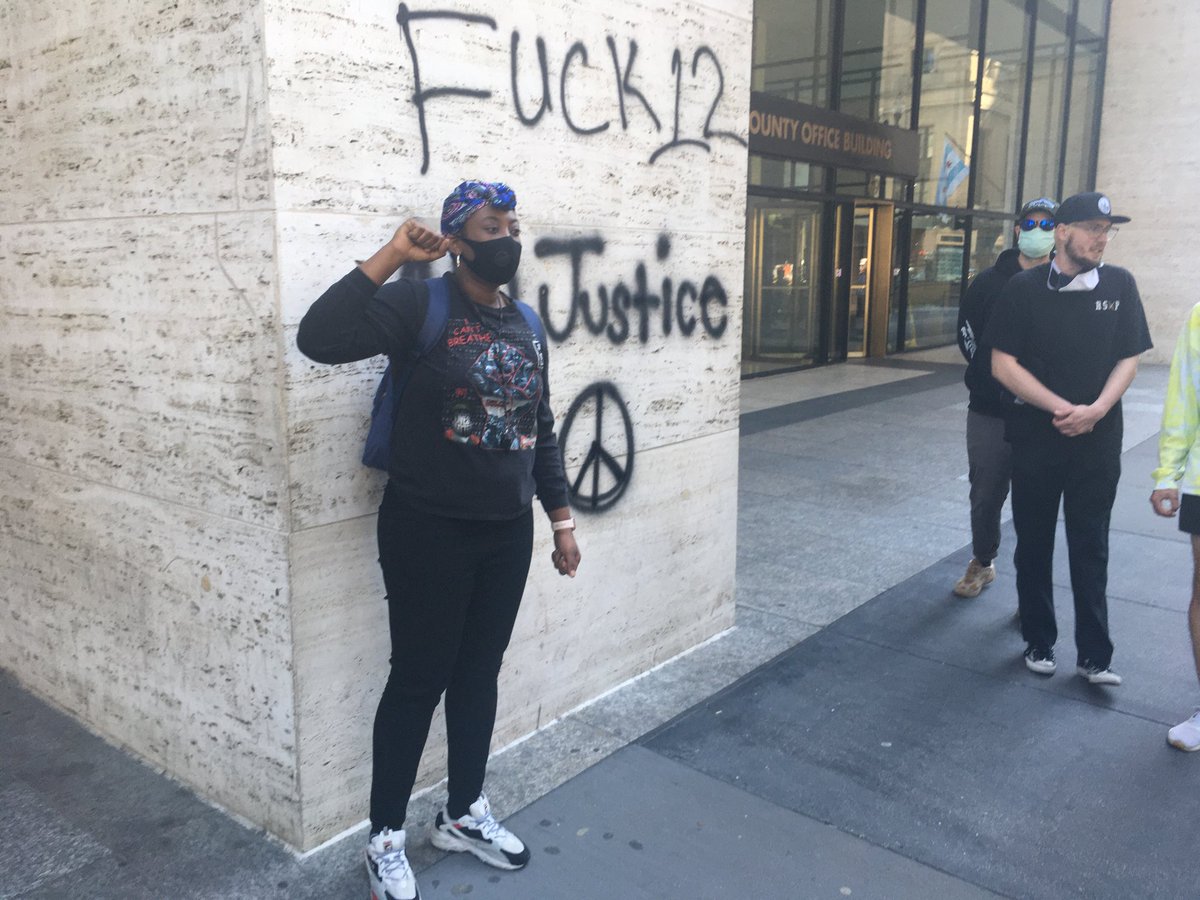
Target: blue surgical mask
column 1035, row 244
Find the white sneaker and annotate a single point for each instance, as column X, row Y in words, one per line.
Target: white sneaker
column 479, row 834
column 1039, row 660
column 1186, row 735
column 387, row 866
column 1099, row 675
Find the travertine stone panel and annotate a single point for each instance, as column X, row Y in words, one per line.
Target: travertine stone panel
column 606, row 151
column 145, row 355
column 1147, row 163
column 119, row 109
column 165, row 628
column 143, row 528
column 655, row 581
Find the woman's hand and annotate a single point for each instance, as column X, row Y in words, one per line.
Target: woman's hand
column 412, row 242
column 566, row 553
column 416, row 243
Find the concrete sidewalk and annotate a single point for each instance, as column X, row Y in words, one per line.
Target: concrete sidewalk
column 860, row 733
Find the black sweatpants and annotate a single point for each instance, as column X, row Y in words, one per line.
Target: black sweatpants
column 1085, row 479
column 454, row 587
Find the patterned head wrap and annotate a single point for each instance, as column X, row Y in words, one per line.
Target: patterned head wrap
column 470, row 196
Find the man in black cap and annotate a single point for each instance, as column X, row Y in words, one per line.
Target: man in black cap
column 1065, row 338
column 989, row 459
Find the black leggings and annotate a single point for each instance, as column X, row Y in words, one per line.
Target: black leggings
column 454, row 587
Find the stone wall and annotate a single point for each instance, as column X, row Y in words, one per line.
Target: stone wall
column 143, row 491
column 610, row 173
column 186, row 535
column 1148, row 134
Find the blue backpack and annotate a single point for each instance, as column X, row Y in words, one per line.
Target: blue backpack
column 378, row 450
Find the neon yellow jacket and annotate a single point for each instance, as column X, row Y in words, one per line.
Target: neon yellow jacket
column 1178, row 465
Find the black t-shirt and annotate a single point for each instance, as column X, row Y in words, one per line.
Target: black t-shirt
column 1069, row 341
column 475, row 435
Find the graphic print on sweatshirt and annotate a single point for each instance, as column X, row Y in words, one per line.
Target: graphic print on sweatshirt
column 497, row 408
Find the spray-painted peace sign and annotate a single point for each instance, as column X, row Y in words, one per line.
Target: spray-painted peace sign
column 601, row 479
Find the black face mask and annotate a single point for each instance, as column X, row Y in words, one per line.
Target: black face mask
column 495, row 261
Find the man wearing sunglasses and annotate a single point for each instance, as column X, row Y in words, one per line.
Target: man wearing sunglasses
column 989, row 459
column 1065, row 339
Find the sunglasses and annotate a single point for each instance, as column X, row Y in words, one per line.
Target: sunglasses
column 1030, row 224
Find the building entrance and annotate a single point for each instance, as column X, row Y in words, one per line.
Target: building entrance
column 819, row 282
column 864, row 262
column 784, row 295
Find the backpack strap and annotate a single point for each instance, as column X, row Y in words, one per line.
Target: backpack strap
column 533, row 321
column 377, row 453
column 436, row 316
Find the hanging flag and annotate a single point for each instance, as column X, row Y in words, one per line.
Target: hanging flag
column 953, row 173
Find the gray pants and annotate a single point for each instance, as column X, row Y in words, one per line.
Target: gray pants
column 989, row 458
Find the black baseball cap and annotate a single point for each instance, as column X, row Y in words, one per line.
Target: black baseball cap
column 1041, row 204
column 1090, row 205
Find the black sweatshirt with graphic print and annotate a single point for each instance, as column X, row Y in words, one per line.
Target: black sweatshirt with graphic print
column 474, row 436
column 988, row 396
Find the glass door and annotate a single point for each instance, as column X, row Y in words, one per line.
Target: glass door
column 935, row 281
column 782, row 309
column 865, row 274
column 860, row 280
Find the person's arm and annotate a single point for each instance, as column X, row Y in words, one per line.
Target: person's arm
column 1021, row 382
column 551, row 483
column 1082, row 418
column 1179, row 420
column 969, row 328
column 337, row 327
column 412, row 242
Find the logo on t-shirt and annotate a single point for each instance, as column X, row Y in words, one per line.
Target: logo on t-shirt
column 1107, row 305
column 494, row 406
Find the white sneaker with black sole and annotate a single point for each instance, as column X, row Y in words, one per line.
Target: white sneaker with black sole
column 479, row 834
column 391, row 876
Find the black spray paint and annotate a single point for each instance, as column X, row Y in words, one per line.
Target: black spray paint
column 610, row 310
column 576, row 55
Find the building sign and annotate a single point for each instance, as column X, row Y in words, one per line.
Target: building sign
column 780, row 127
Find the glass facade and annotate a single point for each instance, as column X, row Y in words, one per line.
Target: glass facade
column 791, row 49
column 876, row 61
column 1079, row 160
column 1000, row 100
column 1047, row 96
column 935, row 280
column 949, row 67
column 1001, row 104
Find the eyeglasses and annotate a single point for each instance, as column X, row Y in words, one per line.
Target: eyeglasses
column 1030, row 224
column 1095, row 229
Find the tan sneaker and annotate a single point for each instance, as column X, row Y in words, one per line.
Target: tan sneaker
column 976, row 579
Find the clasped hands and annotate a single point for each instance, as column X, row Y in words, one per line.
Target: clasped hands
column 1073, row 420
